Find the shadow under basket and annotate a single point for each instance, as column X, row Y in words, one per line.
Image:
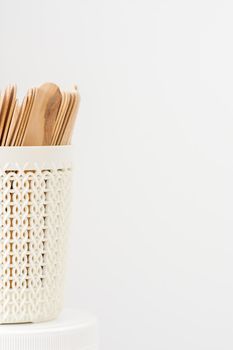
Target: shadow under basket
column 34, row 220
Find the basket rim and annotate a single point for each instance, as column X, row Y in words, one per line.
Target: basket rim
column 34, row 157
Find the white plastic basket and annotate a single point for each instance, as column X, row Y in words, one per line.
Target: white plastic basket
column 34, row 218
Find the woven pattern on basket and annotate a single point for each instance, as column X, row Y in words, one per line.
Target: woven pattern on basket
column 34, row 211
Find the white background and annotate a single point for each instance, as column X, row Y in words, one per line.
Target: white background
column 152, row 238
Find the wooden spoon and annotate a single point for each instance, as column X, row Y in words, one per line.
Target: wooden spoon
column 42, row 117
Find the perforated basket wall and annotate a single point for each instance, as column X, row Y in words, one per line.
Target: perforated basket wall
column 34, row 218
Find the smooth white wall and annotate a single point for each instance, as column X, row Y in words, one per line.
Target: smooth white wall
column 152, row 240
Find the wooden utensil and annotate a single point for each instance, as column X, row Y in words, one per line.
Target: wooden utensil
column 45, row 117
column 60, row 116
column 5, row 106
column 62, row 120
column 69, row 126
column 13, row 125
column 9, row 113
column 64, row 116
column 25, row 115
column 42, row 117
column 16, row 128
column 3, row 109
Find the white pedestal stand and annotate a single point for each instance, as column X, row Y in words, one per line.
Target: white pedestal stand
column 73, row 330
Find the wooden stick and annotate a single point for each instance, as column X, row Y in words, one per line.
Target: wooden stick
column 69, row 128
